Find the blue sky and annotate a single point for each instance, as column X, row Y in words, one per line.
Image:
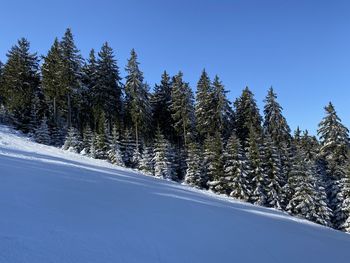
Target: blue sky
column 301, row 48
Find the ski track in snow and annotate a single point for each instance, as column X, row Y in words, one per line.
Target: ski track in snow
column 57, row 206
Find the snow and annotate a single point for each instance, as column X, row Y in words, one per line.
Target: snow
column 58, row 206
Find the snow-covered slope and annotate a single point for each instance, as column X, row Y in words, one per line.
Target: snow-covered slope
column 57, row 206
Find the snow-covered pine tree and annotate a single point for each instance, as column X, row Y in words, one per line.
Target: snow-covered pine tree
column 128, row 147
column 214, row 163
column 246, row 115
column 114, row 153
column 345, row 206
column 223, row 114
column 102, row 139
column 235, row 170
column 87, row 140
column 303, row 186
column 163, row 167
column 255, row 169
column 204, row 108
column 194, row 173
column 146, row 163
column 138, row 108
column 42, row 134
column 106, row 94
column 334, row 137
column 273, row 172
column 71, row 78
column 182, row 108
column 73, row 142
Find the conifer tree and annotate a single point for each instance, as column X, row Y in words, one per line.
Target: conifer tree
column 345, row 206
column 334, row 137
column 20, row 81
column 73, row 141
column 146, row 163
column 160, row 102
column 137, row 99
column 182, row 108
column 246, row 115
column 71, row 76
column 204, row 110
column 102, row 139
column 106, row 93
column 42, row 134
column 87, row 140
column 255, row 168
column 128, row 146
column 235, row 169
column 272, row 170
column 53, row 88
column 222, row 112
column 194, row 173
column 213, row 160
column 114, row 154
column 163, row 166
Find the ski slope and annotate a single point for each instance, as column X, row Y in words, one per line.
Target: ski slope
column 57, row 206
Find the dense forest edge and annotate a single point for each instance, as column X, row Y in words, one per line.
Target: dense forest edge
column 201, row 139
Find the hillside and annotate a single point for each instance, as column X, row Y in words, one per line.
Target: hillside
column 58, row 206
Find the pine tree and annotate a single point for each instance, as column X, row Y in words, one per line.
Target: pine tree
column 114, row 154
column 107, row 91
column 204, row 108
column 304, row 196
column 160, row 102
column 138, row 107
column 71, row 76
column 246, row 115
column 214, row 163
column 73, row 141
column 89, row 80
column 255, row 169
column 102, row 139
column 163, row 166
column 235, row 170
column 146, row 163
column 334, row 137
column 20, row 82
column 53, row 88
column 222, row 112
column 194, row 173
column 87, row 140
column 272, row 170
column 182, row 108
column 42, row 132
column 345, row 206
column 128, row 146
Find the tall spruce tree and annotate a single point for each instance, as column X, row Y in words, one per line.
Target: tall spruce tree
column 222, row 112
column 246, row 115
column 334, row 137
column 137, row 99
column 71, row 76
column 235, row 169
column 182, row 108
column 106, row 93
column 194, row 173
column 52, row 85
column 204, row 109
column 20, row 82
column 255, row 169
column 160, row 102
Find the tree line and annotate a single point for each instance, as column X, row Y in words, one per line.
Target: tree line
column 201, row 139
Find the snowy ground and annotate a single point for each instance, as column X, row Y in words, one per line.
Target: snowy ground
column 57, row 206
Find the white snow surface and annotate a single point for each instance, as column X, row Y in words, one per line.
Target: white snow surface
column 57, row 206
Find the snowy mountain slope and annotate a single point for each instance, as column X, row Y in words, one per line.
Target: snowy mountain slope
column 57, row 206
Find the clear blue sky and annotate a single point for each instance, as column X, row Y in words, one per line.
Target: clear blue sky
column 301, row 48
